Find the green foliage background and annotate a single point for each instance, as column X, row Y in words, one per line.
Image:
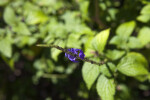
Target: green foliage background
column 115, row 31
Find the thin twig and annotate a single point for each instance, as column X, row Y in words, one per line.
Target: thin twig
column 54, row 76
column 72, row 54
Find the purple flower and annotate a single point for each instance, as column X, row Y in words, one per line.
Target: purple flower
column 75, row 51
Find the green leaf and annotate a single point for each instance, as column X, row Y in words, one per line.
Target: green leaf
column 57, row 30
column 55, row 52
column 73, row 23
column 126, row 29
column 145, row 14
column 142, row 78
column 144, row 35
column 44, row 65
column 114, row 54
column 134, row 43
column 3, row 2
column 112, row 12
column 9, row 16
column 100, row 40
column 73, row 41
column 21, row 41
column 46, row 2
column 144, row 18
column 32, row 40
column 90, row 73
column 89, row 51
column 134, row 64
column 2, row 32
column 5, row 47
column 34, row 15
column 105, row 88
column 119, row 41
column 108, row 69
column 146, row 9
column 124, row 92
column 84, row 5
column 8, row 61
column 22, row 29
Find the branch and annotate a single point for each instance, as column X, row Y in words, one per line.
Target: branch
column 72, row 54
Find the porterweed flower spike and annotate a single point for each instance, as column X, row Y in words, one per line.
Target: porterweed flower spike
column 81, row 54
column 76, row 52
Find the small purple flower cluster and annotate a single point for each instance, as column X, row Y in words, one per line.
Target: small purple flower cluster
column 75, row 51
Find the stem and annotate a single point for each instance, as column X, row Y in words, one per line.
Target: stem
column 110, row 70
column 72, row 54
column 54, row 76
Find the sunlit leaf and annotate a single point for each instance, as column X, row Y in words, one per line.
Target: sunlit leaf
column 84, row 9
column 144, row 35
column 9, row 16
column 108, row 69
column 3, row 2
column 134, row 64
column 33, row 14
column 146, row 9
column 73, row 41
column 90, row 73
column 22, row 29
column 105, row 88
column 134, row 43
column 126, row 29
column 100, row 40
column 114, row 54
column 5, row 47
column 144, row 18
column 9, row 61
column 119, row 41
column 89, row 50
